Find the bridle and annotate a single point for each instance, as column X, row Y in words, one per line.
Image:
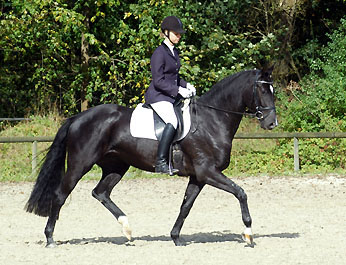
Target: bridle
column 259, row 109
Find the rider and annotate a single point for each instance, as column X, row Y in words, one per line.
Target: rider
column 165, row 86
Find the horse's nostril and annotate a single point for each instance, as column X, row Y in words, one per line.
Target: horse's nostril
column 271, row 126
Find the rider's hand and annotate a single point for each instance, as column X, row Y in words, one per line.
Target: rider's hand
column 184, row 92
column 191, row 88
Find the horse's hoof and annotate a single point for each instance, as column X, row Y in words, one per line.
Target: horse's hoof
column 51, row 245
column 126, row 227
column 179, row 243
column 248, row 237
column 127, row 232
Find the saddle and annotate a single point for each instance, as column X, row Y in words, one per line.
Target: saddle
column 146, row 123
column 159, row 124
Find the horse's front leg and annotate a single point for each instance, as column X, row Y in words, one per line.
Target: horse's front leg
column 192, row 191
column 220, row 181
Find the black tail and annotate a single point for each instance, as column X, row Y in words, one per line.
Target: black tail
column 50, row 175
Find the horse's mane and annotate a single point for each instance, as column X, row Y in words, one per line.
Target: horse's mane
column 220, row 88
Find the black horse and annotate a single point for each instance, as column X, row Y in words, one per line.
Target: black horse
column 101, row 135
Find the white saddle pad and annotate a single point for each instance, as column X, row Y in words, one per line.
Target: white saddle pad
column 142, row 122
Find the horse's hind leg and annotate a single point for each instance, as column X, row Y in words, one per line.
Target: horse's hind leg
column 192, row 191
column 102, row 193
column 66, row 186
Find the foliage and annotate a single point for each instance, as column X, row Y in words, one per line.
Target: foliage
column 318, row 103
column 46, row 62
column 51, row 51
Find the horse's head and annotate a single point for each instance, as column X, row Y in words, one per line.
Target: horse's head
column 263, row 99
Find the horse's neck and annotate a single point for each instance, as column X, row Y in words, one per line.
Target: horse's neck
column 226, row 123
column 226, row 96
column 234, row 126
column 228, row 103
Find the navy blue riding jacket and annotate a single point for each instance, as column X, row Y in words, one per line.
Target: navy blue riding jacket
column 165, row 75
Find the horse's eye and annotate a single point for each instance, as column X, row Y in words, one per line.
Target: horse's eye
column 263, row 90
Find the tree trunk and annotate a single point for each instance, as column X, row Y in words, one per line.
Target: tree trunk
column 85, row 64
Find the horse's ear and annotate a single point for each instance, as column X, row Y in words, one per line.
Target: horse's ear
column 268, row 71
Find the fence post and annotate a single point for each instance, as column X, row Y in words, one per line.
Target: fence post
column 34, row 158
column 296, row 154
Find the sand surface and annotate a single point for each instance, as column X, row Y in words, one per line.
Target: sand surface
column 296, row 220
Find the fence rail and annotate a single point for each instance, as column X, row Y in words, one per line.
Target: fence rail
column 290, row 135
column 26, row 139
column 15, row 119
column 294, row 136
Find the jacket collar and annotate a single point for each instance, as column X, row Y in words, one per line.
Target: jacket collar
column 175, row 50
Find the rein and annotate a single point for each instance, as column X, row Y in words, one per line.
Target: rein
column 224, row 110
column 259, row 109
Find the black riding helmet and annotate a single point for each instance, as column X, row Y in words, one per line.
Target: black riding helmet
column 172, row 23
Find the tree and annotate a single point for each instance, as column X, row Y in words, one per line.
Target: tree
column 39, row 53
column 72, row 53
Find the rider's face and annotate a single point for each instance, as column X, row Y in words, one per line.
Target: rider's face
column 174, row 37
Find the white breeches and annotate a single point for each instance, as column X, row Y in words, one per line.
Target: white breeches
column 166, row 112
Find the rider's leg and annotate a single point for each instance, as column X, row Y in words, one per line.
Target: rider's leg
column 163, row 150
column 166, row 111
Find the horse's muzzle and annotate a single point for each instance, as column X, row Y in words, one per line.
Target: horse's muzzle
column 270, row 121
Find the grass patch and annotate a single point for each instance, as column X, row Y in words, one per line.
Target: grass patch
column 16, row 158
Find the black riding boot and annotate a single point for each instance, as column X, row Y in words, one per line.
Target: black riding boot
column 163, row 149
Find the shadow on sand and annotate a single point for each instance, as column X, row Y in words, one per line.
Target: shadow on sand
column 211, row 237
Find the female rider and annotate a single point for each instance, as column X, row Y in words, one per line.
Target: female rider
column 165, row 87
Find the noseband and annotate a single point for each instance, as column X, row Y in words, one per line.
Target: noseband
column 259, row 109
